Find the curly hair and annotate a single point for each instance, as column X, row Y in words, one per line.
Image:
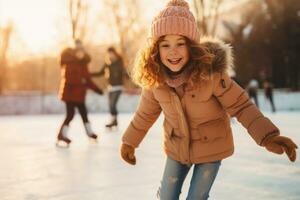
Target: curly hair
column 148, row 72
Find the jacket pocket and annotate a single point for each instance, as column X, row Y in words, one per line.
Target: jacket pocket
column 170, row 131
column 212, row 130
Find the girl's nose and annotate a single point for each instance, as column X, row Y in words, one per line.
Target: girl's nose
column 173, row 51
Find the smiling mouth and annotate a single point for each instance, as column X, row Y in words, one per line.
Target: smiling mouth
column 174, row 61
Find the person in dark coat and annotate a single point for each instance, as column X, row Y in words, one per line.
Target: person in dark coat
column 268, row 90
column 114, row 68
column 252, row 90
column 75, row 80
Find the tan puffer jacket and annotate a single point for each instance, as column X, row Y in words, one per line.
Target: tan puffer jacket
column 197, row 128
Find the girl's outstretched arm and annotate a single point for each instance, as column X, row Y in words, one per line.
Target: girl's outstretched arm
column 147, row 113
column 237, row 103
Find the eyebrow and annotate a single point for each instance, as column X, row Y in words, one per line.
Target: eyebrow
column 177, row 39
column 181, row 38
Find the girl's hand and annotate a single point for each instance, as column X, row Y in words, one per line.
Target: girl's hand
column 279, row 144
column 127, row 153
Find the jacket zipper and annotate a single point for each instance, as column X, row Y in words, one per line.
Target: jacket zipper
column 183, row 124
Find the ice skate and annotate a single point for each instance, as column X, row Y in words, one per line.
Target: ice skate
column 113, row 123
column 89, row 132
column 62, row 138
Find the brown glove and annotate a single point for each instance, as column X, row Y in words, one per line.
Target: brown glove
column 279, row 144
column 127, row 153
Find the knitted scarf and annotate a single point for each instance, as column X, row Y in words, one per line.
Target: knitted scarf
column 177, row 80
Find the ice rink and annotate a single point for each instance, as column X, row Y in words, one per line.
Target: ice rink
column 33, row 168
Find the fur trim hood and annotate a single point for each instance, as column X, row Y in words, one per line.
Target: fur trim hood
column 223, row 58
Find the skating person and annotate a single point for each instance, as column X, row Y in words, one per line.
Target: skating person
column 268, row 90
column 115, row 67
column 252, row 90
column 187, row 80
column 75, row 80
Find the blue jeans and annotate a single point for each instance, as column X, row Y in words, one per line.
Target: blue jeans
column 113, row 98
column 174, row 174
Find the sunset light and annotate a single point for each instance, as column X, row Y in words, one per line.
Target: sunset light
column 33, row 23
column 42, row 26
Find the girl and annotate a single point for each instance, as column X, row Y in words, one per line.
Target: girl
column 188, row 82
column 75, row 80
column 115, row 68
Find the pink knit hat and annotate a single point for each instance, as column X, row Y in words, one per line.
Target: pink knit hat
column 176, row 18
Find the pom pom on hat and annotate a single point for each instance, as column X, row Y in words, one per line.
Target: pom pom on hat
column 175, row 18
column 180, row 3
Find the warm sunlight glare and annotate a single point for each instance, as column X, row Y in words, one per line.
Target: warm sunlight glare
column 34, row 22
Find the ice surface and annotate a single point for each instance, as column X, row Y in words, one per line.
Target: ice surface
column 32, row 168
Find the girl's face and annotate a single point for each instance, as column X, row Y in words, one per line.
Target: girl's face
column 173, row 52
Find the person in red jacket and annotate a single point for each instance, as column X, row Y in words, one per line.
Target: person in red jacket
column 75, row 80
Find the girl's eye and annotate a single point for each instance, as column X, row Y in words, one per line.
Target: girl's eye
column 181, row 44
column 164, row 45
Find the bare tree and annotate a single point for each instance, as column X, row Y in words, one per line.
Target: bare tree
column 126, row 18
column 78, row 18
column 4, row 45
column 207, row 15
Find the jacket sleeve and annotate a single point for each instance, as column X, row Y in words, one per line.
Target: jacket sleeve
column 99, row 73
column 88, row 82
column 237, row 103
column 147, row 113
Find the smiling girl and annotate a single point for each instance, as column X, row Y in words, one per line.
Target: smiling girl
column 186, row 78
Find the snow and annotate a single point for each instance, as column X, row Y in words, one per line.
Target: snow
column 50, row 104
column 32, row 168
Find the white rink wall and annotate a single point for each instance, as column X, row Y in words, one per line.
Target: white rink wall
column 35, row 103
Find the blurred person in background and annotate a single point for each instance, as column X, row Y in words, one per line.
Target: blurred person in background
column 268, row 91
column 113, row 69
column 252, row 88
column 75, row 80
